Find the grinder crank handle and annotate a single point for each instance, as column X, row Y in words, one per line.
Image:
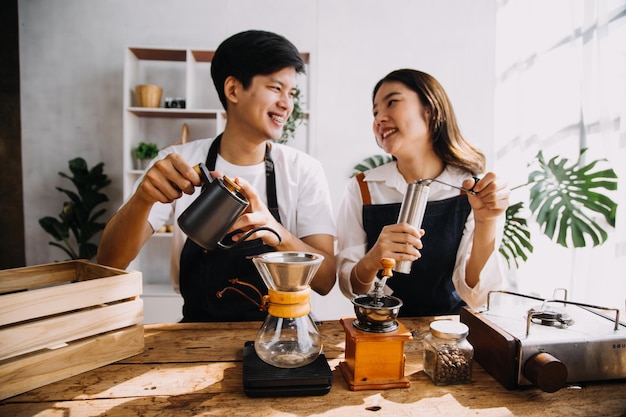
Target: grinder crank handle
column 387, row 264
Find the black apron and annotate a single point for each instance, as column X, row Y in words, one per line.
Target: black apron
column 205, row 273
column 428, row 289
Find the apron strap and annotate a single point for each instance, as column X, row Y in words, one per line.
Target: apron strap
column 365, row 191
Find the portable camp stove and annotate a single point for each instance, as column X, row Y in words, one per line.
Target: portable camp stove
column 525, row 340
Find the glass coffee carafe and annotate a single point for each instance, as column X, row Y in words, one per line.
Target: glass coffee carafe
column 288, row 337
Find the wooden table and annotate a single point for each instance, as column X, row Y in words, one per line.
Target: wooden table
column 196, row 370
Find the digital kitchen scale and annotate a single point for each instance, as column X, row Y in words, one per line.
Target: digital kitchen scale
column 263, row 380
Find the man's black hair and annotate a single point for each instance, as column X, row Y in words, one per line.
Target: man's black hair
column 250, row 53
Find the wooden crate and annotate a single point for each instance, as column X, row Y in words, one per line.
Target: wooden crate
column 58, row 320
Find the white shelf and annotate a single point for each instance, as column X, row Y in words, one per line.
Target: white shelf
column 176, row 113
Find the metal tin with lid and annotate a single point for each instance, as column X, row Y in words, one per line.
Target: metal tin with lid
column 448, row 356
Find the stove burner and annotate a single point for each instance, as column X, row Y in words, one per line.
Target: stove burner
column 552, row 317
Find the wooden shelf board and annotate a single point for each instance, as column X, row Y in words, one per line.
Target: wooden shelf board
column 203, row 56
column 151, row 54
column 174, row 113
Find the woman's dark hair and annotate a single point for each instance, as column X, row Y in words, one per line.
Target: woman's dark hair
column 250, row 53
column 448, row 142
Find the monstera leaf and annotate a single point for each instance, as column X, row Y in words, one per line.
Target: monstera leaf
column 566, row 200
column 516, row 240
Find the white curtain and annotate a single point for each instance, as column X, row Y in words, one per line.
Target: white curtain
column 561, row 86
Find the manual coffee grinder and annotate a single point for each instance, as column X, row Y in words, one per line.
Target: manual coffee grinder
column 375, row 340
column 286, row 356
column 374, row 354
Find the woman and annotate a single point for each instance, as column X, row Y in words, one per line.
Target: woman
column 455, row 254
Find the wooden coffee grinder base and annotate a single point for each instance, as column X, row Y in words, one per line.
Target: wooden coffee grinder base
column 374, row 360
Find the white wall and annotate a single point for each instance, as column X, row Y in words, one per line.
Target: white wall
column 71, row 63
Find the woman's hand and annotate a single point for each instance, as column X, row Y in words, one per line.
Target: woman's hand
column 490, row 202
column 400, row 242
column 491, row 199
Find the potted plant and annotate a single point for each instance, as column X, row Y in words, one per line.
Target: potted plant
column 144, row 152
column 78, row 225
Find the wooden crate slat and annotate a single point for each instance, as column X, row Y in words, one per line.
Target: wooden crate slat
column 26, row 305
column 34, row 371
column 33, row 277
column 19, row 279
column 86, row 270
column 41, row 334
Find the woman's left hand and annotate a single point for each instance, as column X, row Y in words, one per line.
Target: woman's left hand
column 491, row 199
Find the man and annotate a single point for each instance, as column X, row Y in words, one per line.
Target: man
column 254, row 73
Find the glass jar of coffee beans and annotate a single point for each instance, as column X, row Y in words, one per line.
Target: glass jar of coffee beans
column 447, row 353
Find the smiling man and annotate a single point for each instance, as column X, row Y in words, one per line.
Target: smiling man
column 255, row 74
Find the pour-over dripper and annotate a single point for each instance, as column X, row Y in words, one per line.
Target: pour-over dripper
column 288, row 337
column 287, row 271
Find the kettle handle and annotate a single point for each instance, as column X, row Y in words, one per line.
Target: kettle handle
column 247, row 235
column 204, row 173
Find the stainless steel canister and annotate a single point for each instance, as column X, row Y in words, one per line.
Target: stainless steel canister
column 412, row 212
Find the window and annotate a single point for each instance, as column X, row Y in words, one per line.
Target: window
column 561, row 86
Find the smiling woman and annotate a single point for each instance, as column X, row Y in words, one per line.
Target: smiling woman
column 452, row 255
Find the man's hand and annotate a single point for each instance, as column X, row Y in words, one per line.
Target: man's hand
column 167, row 180
column 256, row 215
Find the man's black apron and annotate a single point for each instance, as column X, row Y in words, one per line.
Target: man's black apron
column 428, row 289
column 205, row 273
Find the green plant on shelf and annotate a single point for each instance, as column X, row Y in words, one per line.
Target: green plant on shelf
column 146, row 150
column 296, row 118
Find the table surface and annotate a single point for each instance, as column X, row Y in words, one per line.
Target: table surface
column 196, row 370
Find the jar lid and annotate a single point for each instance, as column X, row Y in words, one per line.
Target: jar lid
column 231, row 185
column 448, row 329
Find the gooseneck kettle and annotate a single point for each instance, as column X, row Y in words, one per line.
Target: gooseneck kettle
column 209, row 217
